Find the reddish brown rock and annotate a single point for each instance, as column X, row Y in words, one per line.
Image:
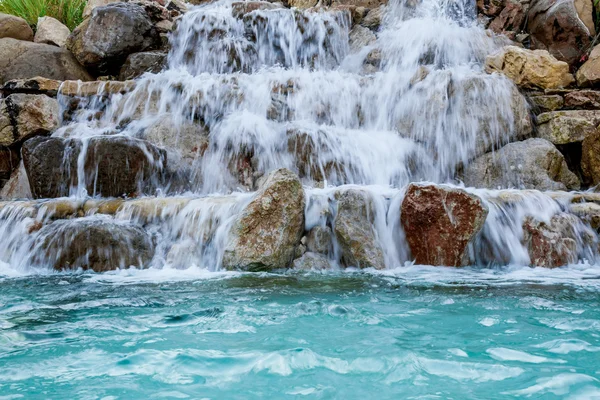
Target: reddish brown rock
column 590, row 158
column 583, row 100
column 511, row 18
column 551, row 244
column 440, row 222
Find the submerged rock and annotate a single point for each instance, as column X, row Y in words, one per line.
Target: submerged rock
column 15, row 27
column 103, row 41
column 355, row 231
column 266, row 234
column 530, row 164
column 440, row 223
column 98, row 244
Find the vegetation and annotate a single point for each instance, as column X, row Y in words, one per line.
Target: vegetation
column 69, row 12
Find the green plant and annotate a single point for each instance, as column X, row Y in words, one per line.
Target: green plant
column 69, row 12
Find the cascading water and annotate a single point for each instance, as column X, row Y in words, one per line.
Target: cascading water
column 245, row 93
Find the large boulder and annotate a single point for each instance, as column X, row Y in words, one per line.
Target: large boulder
column 51, row 31
column 440, row 223
column 102, row 42
column 265, row 236
column 530, row 69
column 530, row 164
column 355, row 231
column 26, row 115
column 15, row 27
column 590, row 158
column 24, row 60
column 113, row 166
column 564, row 127
column 556, row 26
column 139, row 63
column 93, row 243
column 588, row 74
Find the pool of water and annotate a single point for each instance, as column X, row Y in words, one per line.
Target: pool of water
column 413, row 332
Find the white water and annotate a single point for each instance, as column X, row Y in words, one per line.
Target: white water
column 281, row 88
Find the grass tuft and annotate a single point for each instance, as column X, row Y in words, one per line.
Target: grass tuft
column 69, row 12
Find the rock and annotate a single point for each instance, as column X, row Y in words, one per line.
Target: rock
column 25, row 115
column 17, row 187
column 563, row 127
column 490, row 8
column 585, row 11
column 530, row 69
column 93, row 243
column 551, row 245
column 37, row 85
column 583, row 100
column 114, row 166
column 360, row 3
column 530, row 164
column 360, row 37
column 95, row 88
column 555, row 25
column 373, row 18
column 92, row 4
column 588, row 74
column 302, row 4
column 51, row 31
column 139, row 63
column 15, row 27
column 266, row 234
column 311, row 261
column 511, row 18
column 9, row 159
column 320, row 240
column 546, row 103
column 440, row 223
column 588, row 212
column 241, row 8
column 103, row 41
column 355, row 232
column 590, row 158
column 25, row 60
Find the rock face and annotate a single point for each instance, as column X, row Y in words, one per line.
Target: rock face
column 590, row 158
column 564, row 127
column 103, row 41
column 551, row 245
column 530, row 164
column 355, row 232
column 588, row 74
column 25, row 115
column 24, row 60
column 114, row 166
column 98, row 244
column 267, row 233
column 555, row 26
column 51, row 31
column 15, row 28
column 139, row 63
column 530, row 69
column 440, row 223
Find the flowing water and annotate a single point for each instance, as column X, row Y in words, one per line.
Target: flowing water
column 244, row 95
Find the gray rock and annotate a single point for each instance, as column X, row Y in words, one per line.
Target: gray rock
column 102, row 42
column 311, row 261
column 51, row 31
column 139, row 63
column 15, row 27
column 320, row 240
column 17, row 186
column 360, row 37
column 530, row 164
column 373, row 18
column 569, row 126
column 266, row 234
column 24, row 60
column 355, row 232
column 26, row 115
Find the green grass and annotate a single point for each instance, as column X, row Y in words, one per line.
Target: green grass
column 69, row 12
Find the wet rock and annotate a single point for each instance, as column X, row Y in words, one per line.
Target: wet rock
column 588, row 212
column 590, row 158
column 103, row 41
column 361, row 37
column 320, row 240
column 37, row 85
column 311, row 261
column 139, row 63
column 17, row 186
column 241, row 8
column 302, row 4
column 555, row 25
column 9, row 159
column 588, row 74
column 440, row 223
column 355, row 231
column 266, row 234
column 95, row 88
column 15, row 27
column 360, row 3
column 530, row 164
column 114, row 166
column 583, row 100
column 373, row 18
column 25, row 115
column 552, row 244
column 530, row 69
column 51, row 31
column 98, row 244
column 490, row 8
column 564, row 127
column 25, row 60
column 547, row 103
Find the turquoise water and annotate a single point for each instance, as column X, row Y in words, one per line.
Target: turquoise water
column 415, row 332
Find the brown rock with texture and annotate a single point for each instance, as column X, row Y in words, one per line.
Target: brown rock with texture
column 511, row 18
column 551, row 244
column 583, row 100
column 26, row 115
column 265, row 236
column 588, row 74
column 590, row 158
column 15, row 27
column 440, row 222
